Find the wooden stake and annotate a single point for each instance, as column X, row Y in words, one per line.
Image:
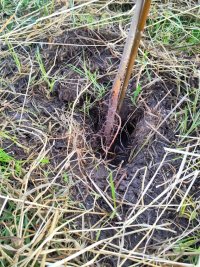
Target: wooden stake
column 140, row 29
column 125, row 68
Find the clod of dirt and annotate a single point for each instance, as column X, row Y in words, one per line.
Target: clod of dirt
column 144, row 127
column 121, row 7
column 67, row 92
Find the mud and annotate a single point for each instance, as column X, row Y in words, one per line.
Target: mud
column 140, row 152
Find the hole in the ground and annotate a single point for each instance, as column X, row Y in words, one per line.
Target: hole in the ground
column 121, row 148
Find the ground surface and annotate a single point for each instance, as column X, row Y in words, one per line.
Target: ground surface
column 64, row 202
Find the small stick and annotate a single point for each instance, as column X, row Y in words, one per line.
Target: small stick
column 7, row 22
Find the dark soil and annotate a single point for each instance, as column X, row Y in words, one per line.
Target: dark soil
column 138, row 149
